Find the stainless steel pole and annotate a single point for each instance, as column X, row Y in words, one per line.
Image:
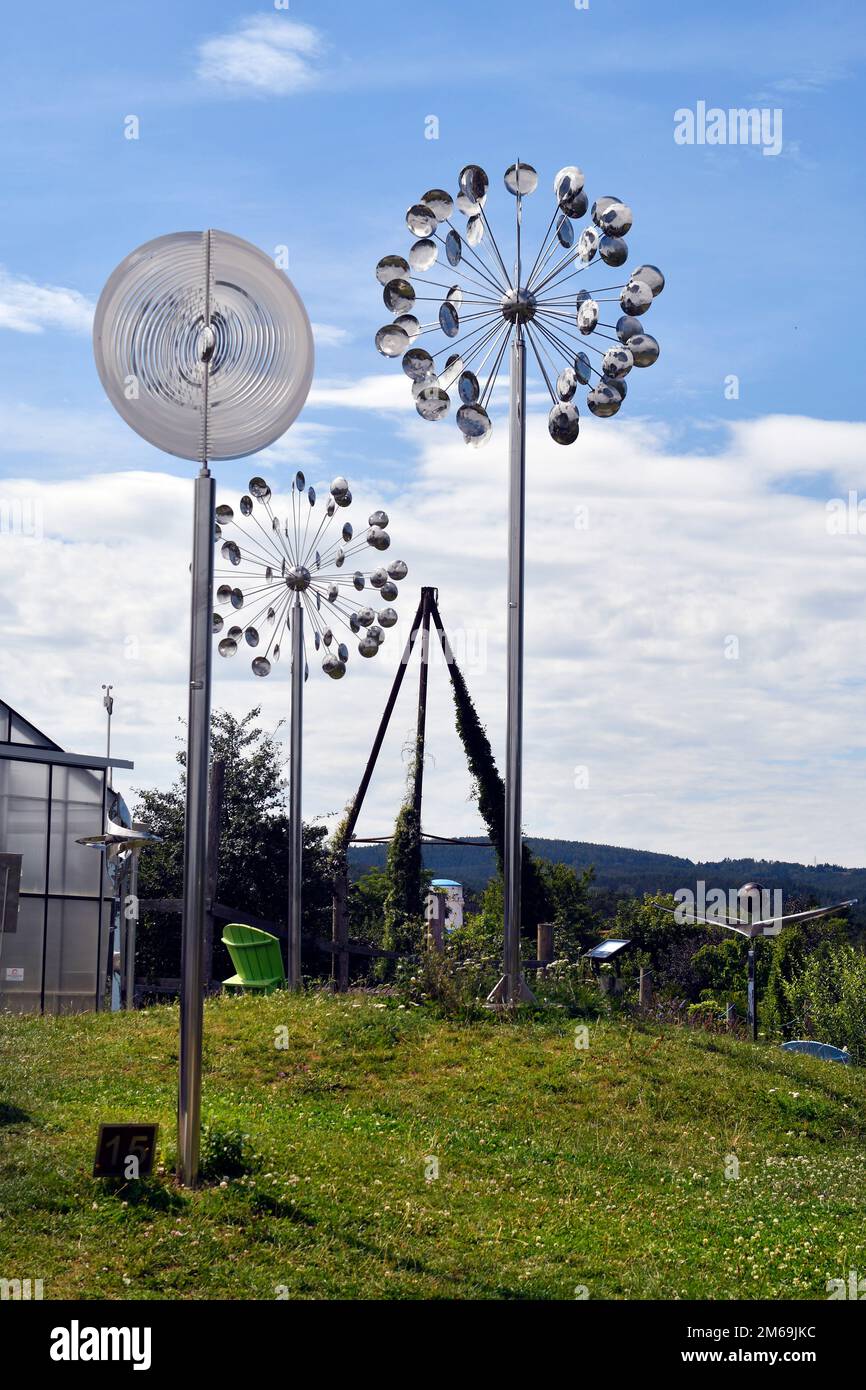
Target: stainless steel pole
column 511, row 989
column 195, row 852
column 753, row 1009
column 296, row 823
column 131, row 915
column 514, row 697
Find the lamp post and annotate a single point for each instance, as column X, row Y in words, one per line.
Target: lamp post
column 482, row 307
column 122, row 847
column 203, row 347
column 285, row 573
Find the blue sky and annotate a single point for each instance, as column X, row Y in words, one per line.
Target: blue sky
column 306, row 128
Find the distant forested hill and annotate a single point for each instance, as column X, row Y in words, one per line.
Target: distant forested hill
column 621, row 872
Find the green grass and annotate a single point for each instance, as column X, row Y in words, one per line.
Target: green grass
column 558, row 1167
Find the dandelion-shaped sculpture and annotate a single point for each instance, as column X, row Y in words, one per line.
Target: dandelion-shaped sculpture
column 279, row 570
column 482, row 308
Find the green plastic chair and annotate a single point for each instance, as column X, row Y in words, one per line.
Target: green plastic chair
column 257, row 958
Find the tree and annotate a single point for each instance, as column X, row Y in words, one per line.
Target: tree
column 404, row 900
column 827, row 999
column 489, row 792
column 367, row 896
column 253, row 849
column 572, row 911
column 794, row 945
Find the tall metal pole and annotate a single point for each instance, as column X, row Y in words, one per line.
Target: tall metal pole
column 195, row 855
column 296, row 823
column 131, row 914
column 514, row 697
column 753, row 1010
column 108, row 702
column 511, row 989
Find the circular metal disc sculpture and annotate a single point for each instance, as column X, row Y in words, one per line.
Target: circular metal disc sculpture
column 482, row 309
column 275, row 571
column 203, row 346
column 205, row 349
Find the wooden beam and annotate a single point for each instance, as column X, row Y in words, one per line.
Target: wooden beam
column 421, row 726
column 340, row 889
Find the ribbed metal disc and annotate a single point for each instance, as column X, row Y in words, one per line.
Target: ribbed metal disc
column 192, row 392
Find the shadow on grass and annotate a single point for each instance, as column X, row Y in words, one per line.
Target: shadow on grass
column 145, row 1192
column 13, row 1115
column 267, row 1205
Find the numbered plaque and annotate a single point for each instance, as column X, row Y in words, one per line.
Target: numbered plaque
column 125, row 1151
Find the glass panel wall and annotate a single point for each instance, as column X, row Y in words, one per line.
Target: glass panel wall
column 21, row 959
column 76, row 805
column 24, row 819
column 56, row 956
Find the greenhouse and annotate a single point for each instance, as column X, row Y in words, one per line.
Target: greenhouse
column 56, row 899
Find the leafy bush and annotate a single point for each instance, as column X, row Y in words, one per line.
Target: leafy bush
column 563, row 984
column 827, row 999
column 793, row 947
column 456, row 988
column 225, row 1153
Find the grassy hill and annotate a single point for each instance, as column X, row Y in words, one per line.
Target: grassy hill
column 558, row 1168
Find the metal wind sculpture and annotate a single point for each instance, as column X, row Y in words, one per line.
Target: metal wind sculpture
column 291, row 568
column 483, row 308
column 755, row 919
column 205, row 349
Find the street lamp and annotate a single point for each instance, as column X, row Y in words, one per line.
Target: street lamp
column 484, row 308
column 122, row 847
column 205, row 349
column 291, row 567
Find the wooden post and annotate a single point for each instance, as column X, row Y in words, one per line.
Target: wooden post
column 436, row 934
column 421, row 728
column 544, row 945
column 436, row 911
column 216, row 789
column 730, row 1016
column 645, row 988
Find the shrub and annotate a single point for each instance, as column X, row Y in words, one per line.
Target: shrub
column 225, row 1153
column 827, row 1000
column 794, row 946
column 456, row 988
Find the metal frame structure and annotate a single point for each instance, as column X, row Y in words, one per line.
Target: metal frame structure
column 427, row 614
column 486, row 309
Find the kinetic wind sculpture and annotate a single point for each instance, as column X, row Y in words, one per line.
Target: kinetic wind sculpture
column 205, row 349
column 482, row 309
column 755, row 919
column 289, row 568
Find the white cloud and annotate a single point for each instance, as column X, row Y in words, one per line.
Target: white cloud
column 265, row 54
column 305, row 443
column 367, row 393
column 26, row 307
column 330, row 335
column 627, row 623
